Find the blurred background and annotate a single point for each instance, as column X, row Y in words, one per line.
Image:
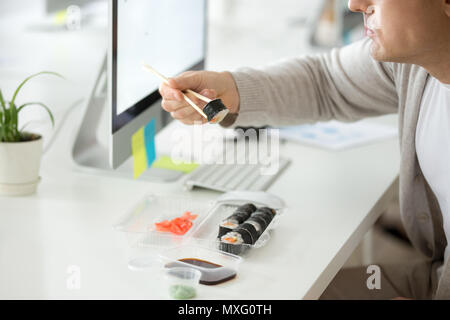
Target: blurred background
column 69, row 37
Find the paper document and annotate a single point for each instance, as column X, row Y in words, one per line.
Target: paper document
column 335, row 135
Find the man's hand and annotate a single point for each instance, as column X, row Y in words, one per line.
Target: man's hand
column 213, row 85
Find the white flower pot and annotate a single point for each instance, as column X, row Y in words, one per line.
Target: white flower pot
column 19, row 167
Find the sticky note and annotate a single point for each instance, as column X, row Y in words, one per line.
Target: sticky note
column 139, row 153
column 143, row 149
column 149, row 134
column 166, row 162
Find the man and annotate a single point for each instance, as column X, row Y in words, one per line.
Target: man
column 403, row 67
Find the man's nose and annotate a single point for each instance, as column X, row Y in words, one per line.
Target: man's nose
column 358, row 5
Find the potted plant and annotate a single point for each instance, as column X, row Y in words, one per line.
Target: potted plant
column 20, row 151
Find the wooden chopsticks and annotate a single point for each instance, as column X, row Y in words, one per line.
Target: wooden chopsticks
column 193, row 105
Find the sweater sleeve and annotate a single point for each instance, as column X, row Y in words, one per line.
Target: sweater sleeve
column 346, row 84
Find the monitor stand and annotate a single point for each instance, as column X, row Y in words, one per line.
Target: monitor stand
column 91, row 155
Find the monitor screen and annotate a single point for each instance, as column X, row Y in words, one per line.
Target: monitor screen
column 168, row 35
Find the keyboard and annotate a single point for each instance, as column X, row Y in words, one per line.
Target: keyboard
column 226, row 177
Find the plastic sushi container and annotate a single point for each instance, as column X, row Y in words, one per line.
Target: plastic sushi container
column 138, row 224
column 225, row 207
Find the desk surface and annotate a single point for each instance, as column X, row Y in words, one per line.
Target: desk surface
column 333, row 198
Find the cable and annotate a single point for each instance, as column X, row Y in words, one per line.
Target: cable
column 61, row 123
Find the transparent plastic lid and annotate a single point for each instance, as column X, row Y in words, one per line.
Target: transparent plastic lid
column 156, row 208
column 139, row 224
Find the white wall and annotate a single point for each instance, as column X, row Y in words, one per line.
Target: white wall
column 257, row 32
column 241, row 33
column 22, row 7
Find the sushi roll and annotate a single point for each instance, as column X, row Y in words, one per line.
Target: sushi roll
column 245, row 234
column 251, row 228
column 263, row 216
column 259, row 224
column 242, row 216
column 239, row 217
column 238, row 236
column 226, row 226
column 245, row 211
column 216, row 111
column 232, row 237
column 269, row 216
column 268, row 210
column 249, row 208
column 232, row 242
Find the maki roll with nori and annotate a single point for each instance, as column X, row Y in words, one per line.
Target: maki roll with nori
column 244, row 227
column 265, row 212
column 262, row 217
column 245, row 234
column 251, row 228
column 268, row 217
column 216, row 111
column 232, row 242
column 227, row 225
column 232, row 237
column 239, row 217
column 268, row 210
column 249, row 208
column 244, row 212
column 259, row 224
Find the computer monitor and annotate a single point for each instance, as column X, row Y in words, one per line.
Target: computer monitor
column 168, row 35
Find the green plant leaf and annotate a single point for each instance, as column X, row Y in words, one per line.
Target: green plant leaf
column 6, row 122
column 7, row 116
column 30, row 77
column 2, row 125
column 14, row 121
column 39, row 104
column 3, row 106
column 9, row 112
column 3, row 122
column 2, row 101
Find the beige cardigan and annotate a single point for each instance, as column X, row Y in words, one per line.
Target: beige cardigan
column 347, row 84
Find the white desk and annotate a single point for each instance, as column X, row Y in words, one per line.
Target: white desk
column 332, row 201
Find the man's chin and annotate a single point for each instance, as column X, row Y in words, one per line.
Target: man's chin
column 381, row 54
column 377, row 52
